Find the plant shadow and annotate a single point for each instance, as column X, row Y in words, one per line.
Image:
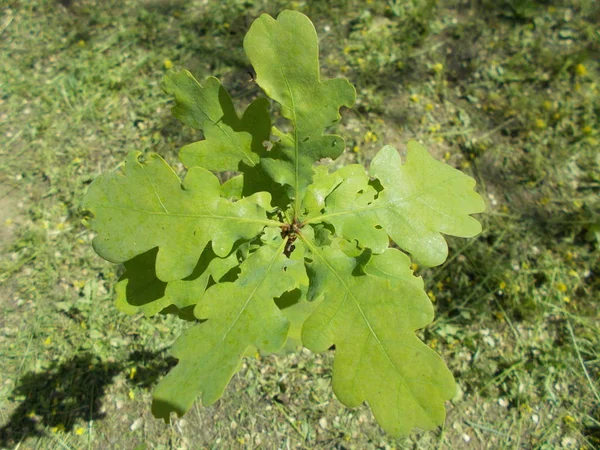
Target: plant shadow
column 73, row 392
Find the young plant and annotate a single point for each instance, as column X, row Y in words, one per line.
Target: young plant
column 287, row 248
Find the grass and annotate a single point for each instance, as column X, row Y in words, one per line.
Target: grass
column 504, row 90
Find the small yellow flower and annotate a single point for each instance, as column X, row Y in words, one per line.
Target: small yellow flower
column 502, row 285
column 370, row 137
column 544, row 201
column 561, row 287
column 540, row 123
column 465, row 165
column 414, row 266
column 79, row 431
column 131, row 395
column 431, row 296
column 168, row 64
column 347, row 50
column 499, row 315
column 132, row 373
column 566, row 299
column 556, row 116
column 587, row 130
column 447, row 156
column 573, row 273
column 48, row 341
column 526, row 408
column 569, row 420
column 428, row 107
column 547, row 105
column 57, row 428
column 438, row 67
column 580, row 70
column 414, row 98
column 356, row 149
column 433, row 343
column 81, row 43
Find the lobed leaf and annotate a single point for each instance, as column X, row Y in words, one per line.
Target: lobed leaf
column 370, row 310
column 420, row 200
column 238, row 315
column 285, row 56
column 145, row 205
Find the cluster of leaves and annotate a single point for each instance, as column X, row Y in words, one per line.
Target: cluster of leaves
column 285, row 249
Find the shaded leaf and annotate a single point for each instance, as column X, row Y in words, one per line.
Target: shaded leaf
column 140, row 289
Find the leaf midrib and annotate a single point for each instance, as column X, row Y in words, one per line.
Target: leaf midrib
column 195, row 216
column 295, row 122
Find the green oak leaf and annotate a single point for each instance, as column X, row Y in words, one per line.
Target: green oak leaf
column 285, row 55
column 420, row 200
column 230, row 142
column 145, row 205
column 370, row 311
column 238, row 315
column 140, row 289
column 423, row 198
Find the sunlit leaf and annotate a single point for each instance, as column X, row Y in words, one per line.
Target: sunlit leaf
column 238, row 315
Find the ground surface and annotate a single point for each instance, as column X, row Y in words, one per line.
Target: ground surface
column 508, row 91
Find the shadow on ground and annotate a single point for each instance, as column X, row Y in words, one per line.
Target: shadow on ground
column 72, row 392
